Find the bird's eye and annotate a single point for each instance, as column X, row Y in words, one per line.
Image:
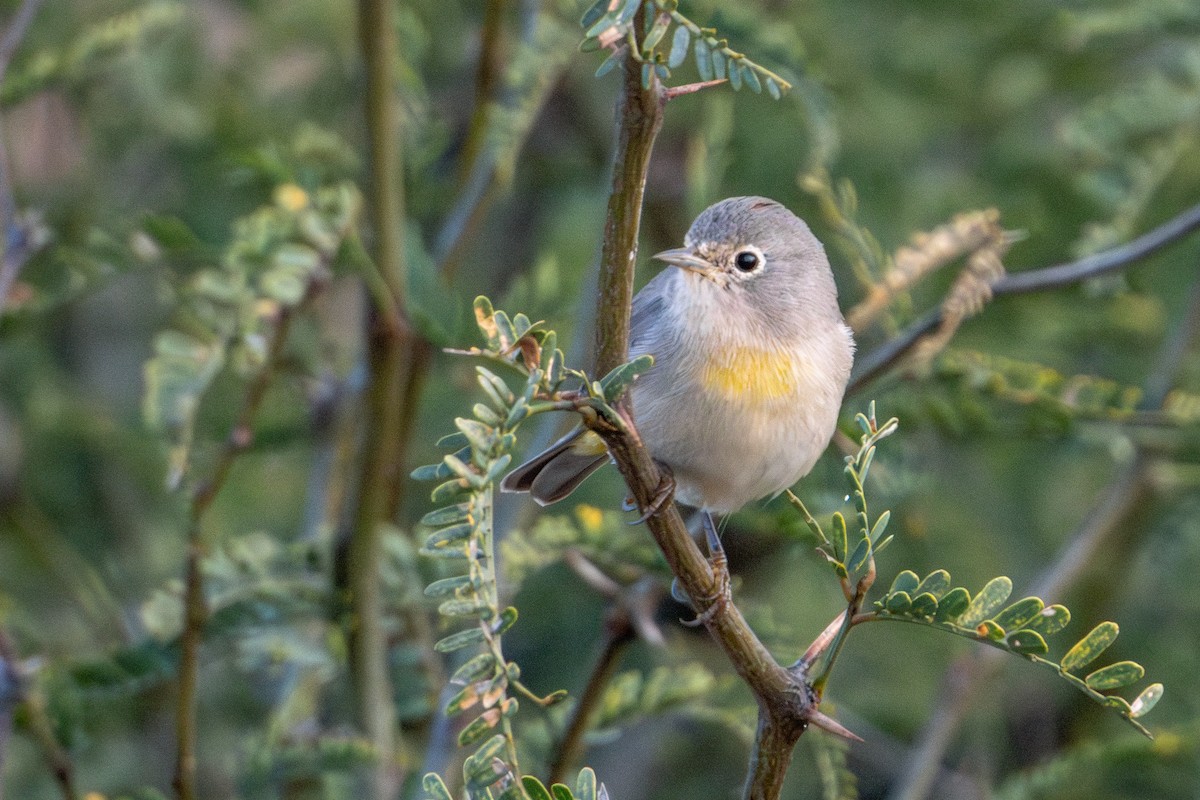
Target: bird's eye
column 747, row 260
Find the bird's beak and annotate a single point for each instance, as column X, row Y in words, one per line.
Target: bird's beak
column 684, row 258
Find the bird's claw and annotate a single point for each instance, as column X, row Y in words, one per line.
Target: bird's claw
column 663, row 494
column 717, row 601
column 723, row 596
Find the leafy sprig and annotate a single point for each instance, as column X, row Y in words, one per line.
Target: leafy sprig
column 609, row 23
column 1020, row 628
column 463, row 534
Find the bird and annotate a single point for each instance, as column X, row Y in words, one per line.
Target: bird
column 751, row 360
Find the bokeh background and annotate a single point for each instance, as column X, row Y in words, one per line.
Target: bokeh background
column 137, row 133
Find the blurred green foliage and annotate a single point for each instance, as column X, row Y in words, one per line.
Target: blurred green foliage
column 142, row 132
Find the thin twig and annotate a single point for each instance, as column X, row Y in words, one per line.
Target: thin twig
column 195, row 608
column 15, row 690
column 487, row 71
column 1098, row 533
column 886, row 355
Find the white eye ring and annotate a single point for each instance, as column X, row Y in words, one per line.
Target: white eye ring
column 749, row 259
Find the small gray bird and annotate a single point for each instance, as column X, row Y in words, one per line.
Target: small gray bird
column 752, row 357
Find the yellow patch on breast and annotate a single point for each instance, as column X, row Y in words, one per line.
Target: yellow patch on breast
column 751, row 375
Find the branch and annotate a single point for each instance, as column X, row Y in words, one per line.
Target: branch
column 14, row 691
column 389, row 340
column 785, row 701
column 1099, row 532
column 641, row 118
column 195, row 608
column 886, row 355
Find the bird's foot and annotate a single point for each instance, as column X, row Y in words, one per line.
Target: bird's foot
column 719, row 562
column 663, row 494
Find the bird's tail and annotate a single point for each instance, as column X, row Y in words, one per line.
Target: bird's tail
column 557, row 471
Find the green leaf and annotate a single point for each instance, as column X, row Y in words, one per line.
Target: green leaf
column 990, row 630
column 486, row 415
column 679, row 46
column 936, row 583
column 447, row 492
column 752, row 79
column 459, row 640
column 448, row 586
column 838, row 538
column 952, row 605
column 924, row 605
column 859, row 557
column 495, row 387
column 594, row 12
column 171, row 233
column 662, row 23
column 602, row 24
column 610, row 63
column 461, row 607
column 561, row 792
column 1019, row 613
column 898, row 602
column 773, row 89
column 452, row 534
column 1050, row 620
column 481, row 773
column 1089, row 648
column 703, row 59
column 458, row 512
column 1114, row 676
column 1026, row 642
column 647, row 74
column 481, row 436
column 990, row 598
column 906, row 581
column 614, row 384
column 490, row 749
column 508, row 618
column 1118, row 704
column 735, row 79
column 628, row 10
column 476, row 730
column 455, row 441
column 444, row 552
column 880, row 526
column 435, row 787
column 480, row 667
column 430, row 472
column 585, row 785
column 718, row 62
column 535, row 788
column 1146, row 700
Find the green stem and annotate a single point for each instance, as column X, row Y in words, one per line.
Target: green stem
column 389, row 340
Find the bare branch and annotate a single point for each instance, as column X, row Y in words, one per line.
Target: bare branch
column 886, row 355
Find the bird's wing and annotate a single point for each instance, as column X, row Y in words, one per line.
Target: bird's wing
column 648, row 307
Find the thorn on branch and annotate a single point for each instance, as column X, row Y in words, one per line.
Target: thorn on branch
column 671, row 92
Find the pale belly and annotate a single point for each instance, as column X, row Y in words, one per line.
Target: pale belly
column 731, row 441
